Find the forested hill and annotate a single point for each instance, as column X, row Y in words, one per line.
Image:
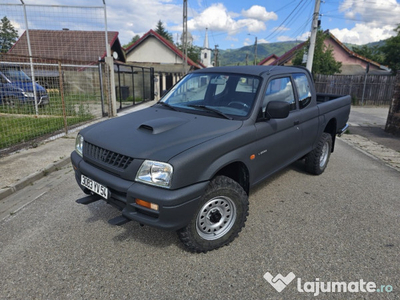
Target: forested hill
column 238, row 56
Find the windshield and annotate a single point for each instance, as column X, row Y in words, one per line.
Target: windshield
column 15, row 74
column 222, row 95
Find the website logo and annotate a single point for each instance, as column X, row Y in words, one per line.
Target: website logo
column 318, row 287
column 279, row 282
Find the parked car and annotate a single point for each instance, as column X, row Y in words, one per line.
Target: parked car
column 188, row 162
column 16, row 87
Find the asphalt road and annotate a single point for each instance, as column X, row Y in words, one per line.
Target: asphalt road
column 342, row 226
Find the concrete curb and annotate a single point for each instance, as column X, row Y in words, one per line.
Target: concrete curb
column 24, row 182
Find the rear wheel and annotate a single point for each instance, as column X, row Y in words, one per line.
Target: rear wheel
column 221, row 216
column 317, row 160
column 10, row 101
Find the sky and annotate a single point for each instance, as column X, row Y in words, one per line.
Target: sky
column 234, row 24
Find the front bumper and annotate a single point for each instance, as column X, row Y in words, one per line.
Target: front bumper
column 176, row 207
column 41, row 100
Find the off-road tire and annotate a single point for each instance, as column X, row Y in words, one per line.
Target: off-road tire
column 221, row 215
column 317, row 160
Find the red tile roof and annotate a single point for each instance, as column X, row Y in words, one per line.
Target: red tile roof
column 163, row 40
column 67, row 45
column 273, row 56
column 292, row 52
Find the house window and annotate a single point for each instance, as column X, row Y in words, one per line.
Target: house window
column 205, row 55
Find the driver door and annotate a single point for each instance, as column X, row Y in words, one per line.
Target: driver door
column 277, row 139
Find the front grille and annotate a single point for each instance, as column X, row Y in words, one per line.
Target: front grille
column 105, row 156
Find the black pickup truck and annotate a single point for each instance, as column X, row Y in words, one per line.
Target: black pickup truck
column 188, row 162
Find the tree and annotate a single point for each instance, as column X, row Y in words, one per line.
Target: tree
column 133, row 40
column 391, row 51
column 193, row 52
column 8, row 35
column 160, row 29
column 324, row 62
column 373, row 53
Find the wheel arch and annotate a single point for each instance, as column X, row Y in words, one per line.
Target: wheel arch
column 238, row 172
column 331, row 128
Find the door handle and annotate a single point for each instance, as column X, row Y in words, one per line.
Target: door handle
column 296, row 123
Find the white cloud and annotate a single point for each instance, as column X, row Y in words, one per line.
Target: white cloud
column 378, row 11
column 304, row 36
column 259, row 13
column 363, row 34
column 252, row 25
column 217, row 18
column 285, row 38
column 375, row 20
column 141, row 16
column 280, row 28
column 263, row 41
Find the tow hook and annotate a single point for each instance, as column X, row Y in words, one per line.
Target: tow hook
column 89, row 199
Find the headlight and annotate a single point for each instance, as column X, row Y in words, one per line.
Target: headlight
column 155, row 173
column 28, row 95
column 79, row 144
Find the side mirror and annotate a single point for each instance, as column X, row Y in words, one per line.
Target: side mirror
column 277, row 110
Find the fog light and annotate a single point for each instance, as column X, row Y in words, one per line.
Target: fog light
column 146, row 204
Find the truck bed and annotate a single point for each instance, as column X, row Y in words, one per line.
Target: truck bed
column 334, row 106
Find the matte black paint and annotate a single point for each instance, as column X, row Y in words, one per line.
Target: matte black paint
column 200, row 146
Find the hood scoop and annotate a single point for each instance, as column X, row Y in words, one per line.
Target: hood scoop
column 157, row 126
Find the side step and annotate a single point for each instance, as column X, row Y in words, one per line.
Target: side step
column 88, row 199
column 120, row 220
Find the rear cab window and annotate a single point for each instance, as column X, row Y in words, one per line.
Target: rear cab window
column 303, row 89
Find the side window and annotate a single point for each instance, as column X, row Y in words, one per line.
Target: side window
column 303, row 89
column 280, row 89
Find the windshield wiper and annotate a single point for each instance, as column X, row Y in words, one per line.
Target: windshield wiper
column 167, row 105
column 207, row 108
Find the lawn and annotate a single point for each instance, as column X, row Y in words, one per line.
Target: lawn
column 18, row 129
column 19, row 123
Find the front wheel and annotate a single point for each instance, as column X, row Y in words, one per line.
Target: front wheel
column 317, row 160
column 220, row 217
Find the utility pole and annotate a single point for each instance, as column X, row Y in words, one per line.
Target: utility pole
column 216, row 56
column 185, row 36
column 255, row 49
column 255, row 52
column 314, row 30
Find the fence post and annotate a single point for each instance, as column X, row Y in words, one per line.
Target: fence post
column 152, row 80
column 393, row 120
column 31, row 60
column 103, row 113
column 62, row 97
column 113, row 104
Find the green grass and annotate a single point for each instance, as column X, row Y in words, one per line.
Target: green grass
column 18, row 129
column 73, row 106
column 19, row 123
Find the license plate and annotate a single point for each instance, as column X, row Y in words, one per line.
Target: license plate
column 94, row 186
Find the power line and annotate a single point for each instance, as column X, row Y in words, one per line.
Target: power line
column 280, row 26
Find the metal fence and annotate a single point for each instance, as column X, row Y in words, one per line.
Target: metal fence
column 364, row 89
column 51, row 79
column 133, row 84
